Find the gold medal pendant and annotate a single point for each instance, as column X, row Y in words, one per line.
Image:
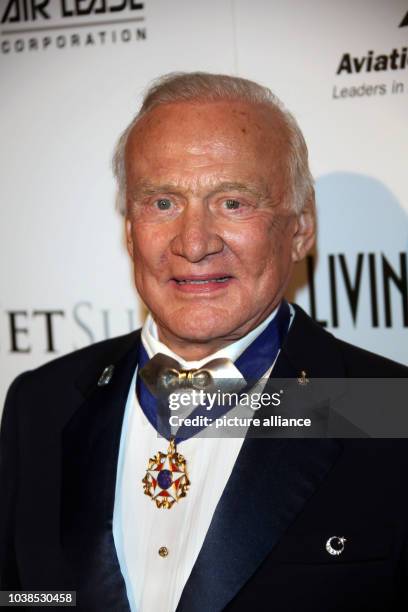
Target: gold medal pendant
column 166, row 480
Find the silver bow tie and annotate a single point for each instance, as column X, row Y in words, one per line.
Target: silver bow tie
column 164, row 375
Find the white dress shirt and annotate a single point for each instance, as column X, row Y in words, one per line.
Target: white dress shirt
column 155, row 583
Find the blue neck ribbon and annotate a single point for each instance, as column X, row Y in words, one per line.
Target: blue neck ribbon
column 253, row 363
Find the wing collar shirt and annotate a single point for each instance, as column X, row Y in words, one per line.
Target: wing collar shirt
column 140, row 529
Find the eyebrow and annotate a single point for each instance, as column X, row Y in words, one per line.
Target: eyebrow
column 147, row 188
column 242, row 187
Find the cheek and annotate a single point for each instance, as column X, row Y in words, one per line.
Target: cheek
column 256, row 248
column 264, row 251
column 149, row 248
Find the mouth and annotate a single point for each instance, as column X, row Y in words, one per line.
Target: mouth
column 201, row 283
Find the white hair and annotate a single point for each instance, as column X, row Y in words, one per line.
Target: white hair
column 205, row 87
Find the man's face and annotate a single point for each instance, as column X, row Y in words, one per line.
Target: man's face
column 210, row 233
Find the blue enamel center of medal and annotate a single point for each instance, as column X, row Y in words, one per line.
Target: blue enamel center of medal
column 164, row 479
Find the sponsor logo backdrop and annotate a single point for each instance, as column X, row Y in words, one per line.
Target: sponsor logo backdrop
column 73, row 73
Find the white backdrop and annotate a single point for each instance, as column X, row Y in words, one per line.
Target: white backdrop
column 70, row 84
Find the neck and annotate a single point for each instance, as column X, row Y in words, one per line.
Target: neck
column 194, row 351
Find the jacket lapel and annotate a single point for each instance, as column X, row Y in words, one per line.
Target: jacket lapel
column 90, row 451
column 271, row 481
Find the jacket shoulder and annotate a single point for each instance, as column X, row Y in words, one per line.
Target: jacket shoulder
column 329, row 356
column 365, row 364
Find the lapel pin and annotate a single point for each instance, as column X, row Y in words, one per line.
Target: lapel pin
column 302, row 379
column 335, row 545
column 106, row 376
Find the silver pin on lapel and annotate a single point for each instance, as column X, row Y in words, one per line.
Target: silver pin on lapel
column 106, row 376
column 335, row 545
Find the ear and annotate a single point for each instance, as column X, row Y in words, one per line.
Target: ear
column 129, row 238
column 304, row 237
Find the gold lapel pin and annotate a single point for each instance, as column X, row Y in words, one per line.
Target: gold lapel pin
column 302, row 379
column 106, row 376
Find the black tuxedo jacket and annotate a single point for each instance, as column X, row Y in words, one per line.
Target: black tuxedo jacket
column 265, row 548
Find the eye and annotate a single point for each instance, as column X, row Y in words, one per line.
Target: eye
column 231, row 204
column 163, row 204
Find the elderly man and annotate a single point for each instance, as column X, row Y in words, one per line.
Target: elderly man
column 219, row 205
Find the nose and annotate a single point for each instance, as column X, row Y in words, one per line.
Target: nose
column 196, row 236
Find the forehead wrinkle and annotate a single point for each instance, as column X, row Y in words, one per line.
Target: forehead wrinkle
column 146, row 187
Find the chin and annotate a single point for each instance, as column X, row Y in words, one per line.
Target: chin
column 200, row 324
